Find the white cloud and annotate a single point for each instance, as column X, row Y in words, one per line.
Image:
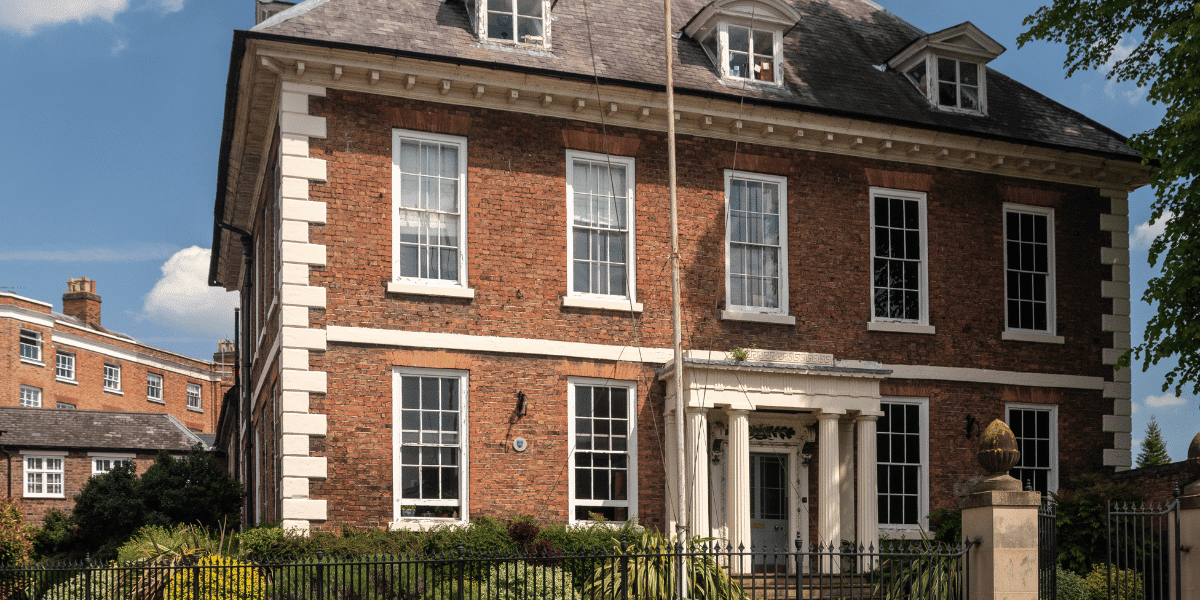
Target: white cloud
column 143, row 252
column 183, row 298
column 1165, row 400
column 169, row 6
column 1123, row 90
column 1134, row 408
column 26, row 16
column 118, row 47
column 1121, row 51
column 1144, row 234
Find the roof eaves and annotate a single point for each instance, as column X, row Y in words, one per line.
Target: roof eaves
column 232, row 85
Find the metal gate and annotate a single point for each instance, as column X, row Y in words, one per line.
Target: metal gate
column 1048, row 550
column 1144, row 551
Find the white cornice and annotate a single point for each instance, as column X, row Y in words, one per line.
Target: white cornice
column 696, row 116
column 74, row 340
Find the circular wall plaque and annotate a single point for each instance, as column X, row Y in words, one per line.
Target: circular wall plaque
column 519, row 444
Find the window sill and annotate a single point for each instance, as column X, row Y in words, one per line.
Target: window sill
column 58, row 496
column 913, row 532
column 429, row 290
column 893, row 327
column 1040, row 338
column 599, row 304
column 112, row 391
column 36, row 363
column 156, row 401
column 196, row 410
column 66, row 381
column 729, row 315
column 422, row 523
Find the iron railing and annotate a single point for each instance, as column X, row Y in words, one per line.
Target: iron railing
column 1048, row 550
column 895, row 571
column 1143, row 551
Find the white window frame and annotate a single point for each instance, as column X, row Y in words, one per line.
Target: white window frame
column 1052, row 475
column 735, row 311
column 920, row 324
column 52, row 464
column 628, row 300
column 116, row 380
column 31, row 397
column 34, row 350
column 64, row 405
column 631, row 450
column 913, row 530
column 482, row 16
column 103, row 462
column 932, row 81
column 194, row 390
column 418, row 285
column 64, row 361
column 399, row 521
column 150, row 388
column 722, row 57
column 1050, row 334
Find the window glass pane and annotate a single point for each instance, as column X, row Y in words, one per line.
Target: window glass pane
column 947, row 69
column 968, row 73
column 739, row 39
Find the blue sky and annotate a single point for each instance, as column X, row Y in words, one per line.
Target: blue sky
column 113, row 120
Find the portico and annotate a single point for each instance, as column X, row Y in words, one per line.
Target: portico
column 750, row 430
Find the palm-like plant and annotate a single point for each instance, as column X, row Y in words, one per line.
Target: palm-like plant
column 648, row 569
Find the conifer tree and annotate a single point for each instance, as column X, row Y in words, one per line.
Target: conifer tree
column 1154, row 451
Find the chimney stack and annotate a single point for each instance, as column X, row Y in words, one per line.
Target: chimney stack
column 81, row 302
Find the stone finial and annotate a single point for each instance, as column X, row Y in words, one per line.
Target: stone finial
column 998, row 454
column 1193, row 466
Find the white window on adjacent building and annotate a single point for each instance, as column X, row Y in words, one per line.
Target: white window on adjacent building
column 429, row 191
column 64, row 366
column 756, row 243
column 154, row 387
column 1036, row 429
column 193, row 397
column 104, row 464
column 429, row 421
column 602, row 450
column 112, row 377
column 31, row 345
column 31, row 397
column 64, row 405
column 43, row 476
column 1029, row 269
column 899, row 260
column 600, row 237
column 902, row 463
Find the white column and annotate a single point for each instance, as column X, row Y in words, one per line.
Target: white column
column 846, row 473
column 867, row 525
column 697, row 470
column 671, row 494
column 738, row 485
column 829, row 520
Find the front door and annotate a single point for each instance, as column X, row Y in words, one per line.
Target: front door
column 769, row 510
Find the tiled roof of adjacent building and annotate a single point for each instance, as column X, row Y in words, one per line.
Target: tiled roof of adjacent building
column 830, row 60
column 52, row 428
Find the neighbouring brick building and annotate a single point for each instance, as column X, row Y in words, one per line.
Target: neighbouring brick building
column 69, row 360
column 449, row 225
column 50, row 454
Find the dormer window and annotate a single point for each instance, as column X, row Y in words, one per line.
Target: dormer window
column 955, row 59
column 519, row 21
column 744, row 38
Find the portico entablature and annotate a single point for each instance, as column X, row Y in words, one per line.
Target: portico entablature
column 743, row 385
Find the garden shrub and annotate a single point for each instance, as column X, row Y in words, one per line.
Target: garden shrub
column 219, row 578
column 947, row 526
column 1082, row 520
column 1071, row 586
column 15, row 545
column 54, row 536
column 1127, row 583
column 653, row 575
column 511, row 580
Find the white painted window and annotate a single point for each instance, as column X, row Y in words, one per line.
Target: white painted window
column 101, row 465
column 1029, row 269
column 112, row 377
column 64, row 366
column 154, row 387
column 958, row 84
column 43, row 477
column 429, row 421
column 31, row 397
column 65, row 405
column 899, row 260
column 756, row 243
column 602, row 449
column 902, row 463
column 522, row 21
column 1036, row 429
column 31, row 345
column 429, row 191
column 600, row 237
column 193, row 396
column 746, row 53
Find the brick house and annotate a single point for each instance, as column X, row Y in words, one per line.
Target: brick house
column 449, row 224
column 50, row 454
column 69, row 360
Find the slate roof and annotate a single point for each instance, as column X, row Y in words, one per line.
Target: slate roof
column 829, row 60
column 53, row 428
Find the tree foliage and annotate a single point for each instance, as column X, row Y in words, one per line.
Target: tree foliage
column 1154, row 450
column 1166, row 61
